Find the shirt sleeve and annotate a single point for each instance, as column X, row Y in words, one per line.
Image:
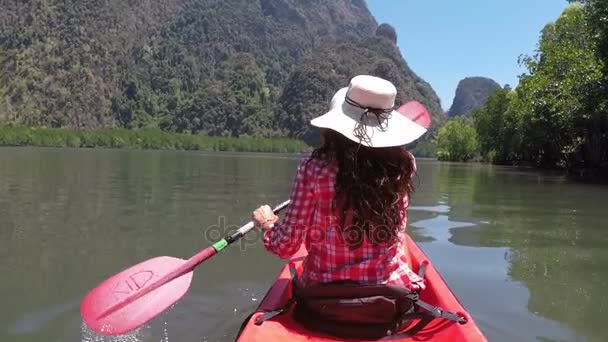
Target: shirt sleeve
column 286, row 237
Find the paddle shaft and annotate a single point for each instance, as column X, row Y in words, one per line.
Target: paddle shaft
column 190, row 264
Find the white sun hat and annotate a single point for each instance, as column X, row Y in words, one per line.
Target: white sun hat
column 364, row 113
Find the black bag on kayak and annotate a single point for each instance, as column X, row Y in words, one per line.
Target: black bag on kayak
column 352, row 311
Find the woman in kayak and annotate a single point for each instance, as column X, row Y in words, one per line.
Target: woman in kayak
column 349, row 200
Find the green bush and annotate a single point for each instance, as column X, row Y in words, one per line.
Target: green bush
column 457, row 141
column 142, row 139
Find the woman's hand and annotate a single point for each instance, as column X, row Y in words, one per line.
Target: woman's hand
column 264, row 217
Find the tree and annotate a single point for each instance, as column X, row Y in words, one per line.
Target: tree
column 597, row 12
column 457, row 141
column 495, row 124
column 563, row 126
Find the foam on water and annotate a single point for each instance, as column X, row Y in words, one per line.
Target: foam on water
column 156, row 330
column 143, row 334
column 88, row 335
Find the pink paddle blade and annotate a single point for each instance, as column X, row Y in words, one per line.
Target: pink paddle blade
column 416, row 112
column 114, row 307
column 135, row 296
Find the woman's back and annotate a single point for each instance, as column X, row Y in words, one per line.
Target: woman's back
column 314, row 219
column 350, row 196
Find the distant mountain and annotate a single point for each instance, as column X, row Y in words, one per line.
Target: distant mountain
column 230, row 67
column 472, row 92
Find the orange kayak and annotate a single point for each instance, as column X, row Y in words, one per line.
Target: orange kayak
column 284, row 328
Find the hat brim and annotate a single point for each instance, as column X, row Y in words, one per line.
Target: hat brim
column 399, row 130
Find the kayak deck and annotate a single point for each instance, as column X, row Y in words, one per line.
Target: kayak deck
column 284, row 328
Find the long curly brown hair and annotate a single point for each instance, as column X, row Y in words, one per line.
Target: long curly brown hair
column 371, row 183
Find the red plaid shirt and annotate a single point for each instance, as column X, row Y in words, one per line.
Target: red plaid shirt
column 309, row 219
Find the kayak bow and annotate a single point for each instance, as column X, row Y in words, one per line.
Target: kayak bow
column 284, row 328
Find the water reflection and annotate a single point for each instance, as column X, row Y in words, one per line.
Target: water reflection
column 525, row 252
column 532, row 253
column 71, row 218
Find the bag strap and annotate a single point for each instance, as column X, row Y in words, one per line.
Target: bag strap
column 346, row 290
column 432, row 313
column 294, row 276
column 437, row 312
column 424, row 320
column 268, row 314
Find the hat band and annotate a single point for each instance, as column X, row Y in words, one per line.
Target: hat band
column 382, row 115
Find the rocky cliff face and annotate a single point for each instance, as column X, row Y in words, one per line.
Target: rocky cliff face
column 471, row 93
column 230, row 67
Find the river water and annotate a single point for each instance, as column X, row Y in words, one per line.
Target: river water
column 526, row 252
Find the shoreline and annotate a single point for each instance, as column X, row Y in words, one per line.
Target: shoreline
column 155, row 139
column 142, row 139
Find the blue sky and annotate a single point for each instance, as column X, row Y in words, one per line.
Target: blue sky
column 444, row 41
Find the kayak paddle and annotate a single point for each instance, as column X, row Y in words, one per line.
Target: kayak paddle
column 416, row 112
column 138, row 294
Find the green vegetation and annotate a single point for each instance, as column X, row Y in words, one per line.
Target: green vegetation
column 557, row 117
column 142, row 139
column 496, row 139
column 457, row 141
column 218, row 68
column 318, row 76
column 425, row 149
